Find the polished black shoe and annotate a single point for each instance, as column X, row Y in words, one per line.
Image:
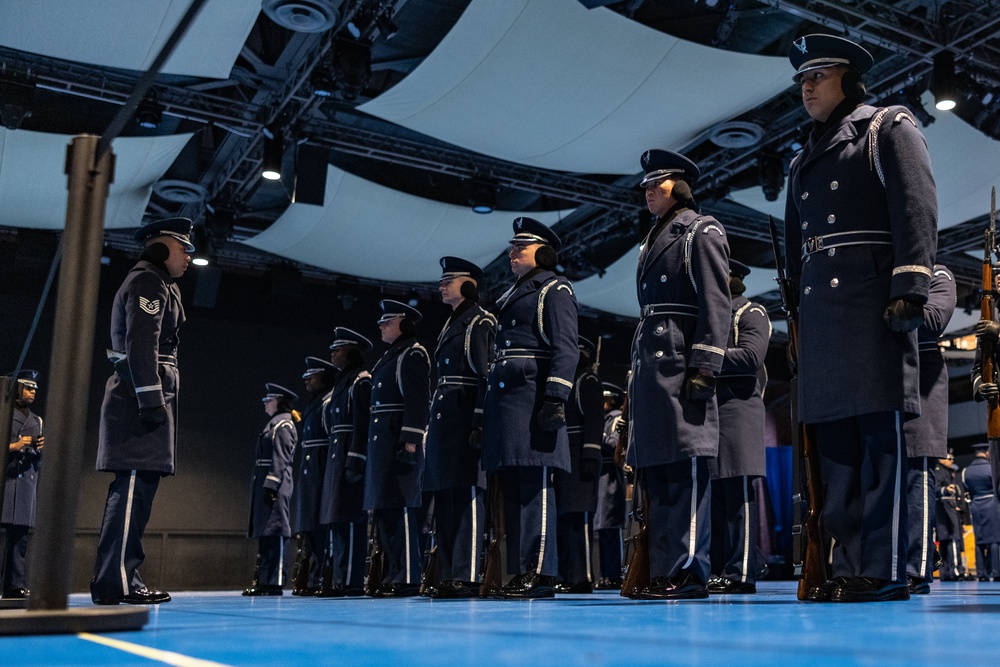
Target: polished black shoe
column 452, row 590
column 398, row 591
column 530, row 586
column 609, row 585
column 497, row 593
column 682, row 587
column 16, row 593
column 867, row 589
column 255, row 591
column 918, row 586
column 579, row 588
column 726, row 586
column 982, row 578
column 140, row 596
column 306, row 592
column 824, row 592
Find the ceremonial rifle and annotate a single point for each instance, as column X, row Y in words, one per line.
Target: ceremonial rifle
column 493, row 567
column 988, row 347
column 807, row 538
column 377, row 558
column 635, row 576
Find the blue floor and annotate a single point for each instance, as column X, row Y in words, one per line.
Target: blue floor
column 956, row 623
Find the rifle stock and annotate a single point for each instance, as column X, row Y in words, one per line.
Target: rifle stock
column 636, row 575
column 807, row 535
column 493, row 567
column 987, row 346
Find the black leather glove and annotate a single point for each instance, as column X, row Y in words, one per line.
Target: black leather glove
column 405, row 457
column 270, row 495
column 698, row 387
column 476, row 435
column 153, row 417
column 989, row 391
column 353, row 476
column 988, row 329
column 589, row 469
column 902, row 315
column 552, row 416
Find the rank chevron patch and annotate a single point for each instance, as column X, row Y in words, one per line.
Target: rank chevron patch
column 151, row 307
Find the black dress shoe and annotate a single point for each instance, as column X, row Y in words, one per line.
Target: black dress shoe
column 579, row 588
column 497, row 593
column 726, row 586
column 140, row 596
column 530, row 586
column 917, row 585
column 824, row 592
column 609, row 585
column 398, row 591
column 306, row 592
column 982, row 578
column 682, row 587
column 16, row 593
column 255, row 591
column 452, row 590
column 867, row 589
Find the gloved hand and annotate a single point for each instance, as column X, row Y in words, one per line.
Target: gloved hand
column 588, row 469
column 988, row 329
column 902, row 315
column 353, row 476
column 406, row 457
column 476, row 438
column 988, row 391
column 698, row 387
column 552, row 415
column 153, row 417
column 270, row 495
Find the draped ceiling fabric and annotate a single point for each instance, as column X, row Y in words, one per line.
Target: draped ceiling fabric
column 965, row 161
column 33, row 182
column 368, row 230
column 551, row 84
column 128, row 34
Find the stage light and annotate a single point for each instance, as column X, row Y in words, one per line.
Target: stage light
column 273, row 152
column 770, row 175
column 943, row 81
column 483, row 197
column 149, row 113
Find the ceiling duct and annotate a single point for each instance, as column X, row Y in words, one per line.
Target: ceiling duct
column 736, row 134
column 180, row 192
column 303, row 15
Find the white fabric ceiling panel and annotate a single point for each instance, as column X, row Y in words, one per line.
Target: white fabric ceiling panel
column 368, row 230
column 129, row 33
column 615, row 292
column 965, row 161
column 554, row 85
column 33, row 182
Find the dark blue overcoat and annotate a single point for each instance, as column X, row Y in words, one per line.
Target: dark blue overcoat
column 310, row 464
column 585, row 428
column 273, row 470
column 20, row 491
column 347, row 417
column 683, row 286
column 860, row 230
column 611, row 486
column 983, row 504
column 536, row 356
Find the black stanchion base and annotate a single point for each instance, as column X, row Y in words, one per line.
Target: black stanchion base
column 13, row 603
column 71, row 621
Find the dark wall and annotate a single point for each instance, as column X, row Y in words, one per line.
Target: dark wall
column 260, row 329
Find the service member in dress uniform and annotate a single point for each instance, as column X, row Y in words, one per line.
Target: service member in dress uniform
column 346, row 415
column 20, row 493
column 927, row 435
column 860, row 238
column 524, row 435
column 399, row 409
column 308, row 478
column 610, row 516
column 949, row 525
column 989, row 391
column 271, row 490
column 741, row 460
column 138, row 433
column 576, row 488
column 985, row 510
column 453, row 474
column 679, row 346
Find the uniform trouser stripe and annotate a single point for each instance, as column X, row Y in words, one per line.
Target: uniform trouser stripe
column 900, row 457
column 586, row 543
column 545, row 514
column 126, row 525
column 350, row 553
column 925, row 523
column 746, row 530
column 281, row 562
column 406, row 531
column 474, row 535
column 693, row 522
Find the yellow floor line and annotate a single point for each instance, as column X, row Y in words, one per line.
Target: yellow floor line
column 166, row 657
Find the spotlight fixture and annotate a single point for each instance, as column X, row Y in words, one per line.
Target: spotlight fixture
column 943, row 81
column 323, row 81
column 770, row 175
column 149, row 113
column 352, row 60
column 201, row 240
column 273, row 152
column 483, row 197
